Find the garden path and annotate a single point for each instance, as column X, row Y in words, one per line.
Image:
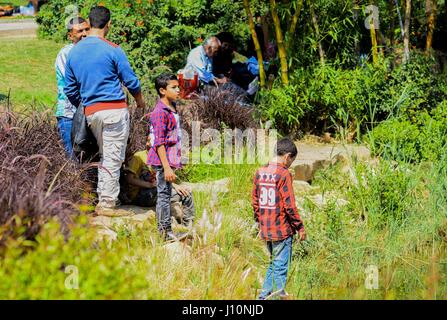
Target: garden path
column 11, row 29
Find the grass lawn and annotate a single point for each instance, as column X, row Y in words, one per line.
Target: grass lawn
column 27, row 68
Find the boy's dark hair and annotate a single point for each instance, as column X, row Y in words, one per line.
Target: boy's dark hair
column 284, row 146
column 99, row 17
column 162, row 81
column 74, row 21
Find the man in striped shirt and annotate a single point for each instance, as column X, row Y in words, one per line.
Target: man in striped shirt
column 275, row 212
column 77, row 30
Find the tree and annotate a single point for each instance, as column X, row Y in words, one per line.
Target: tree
column 430, row 9
column 280, row 43
column 294, row 23
column 372, row 30
column 406, row 57
column 317, row 32
column 256, row 43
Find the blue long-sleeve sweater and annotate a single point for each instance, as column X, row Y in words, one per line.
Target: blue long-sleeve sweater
column 95, row 70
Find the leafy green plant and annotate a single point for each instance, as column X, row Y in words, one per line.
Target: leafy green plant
column 155, row 34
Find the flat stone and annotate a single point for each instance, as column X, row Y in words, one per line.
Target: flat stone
column 137, row 216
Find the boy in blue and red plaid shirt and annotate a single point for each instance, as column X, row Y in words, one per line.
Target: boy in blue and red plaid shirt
column 275, row 212
column 165, row 152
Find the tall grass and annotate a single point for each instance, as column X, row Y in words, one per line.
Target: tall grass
column 225, row 260
column 393, row 217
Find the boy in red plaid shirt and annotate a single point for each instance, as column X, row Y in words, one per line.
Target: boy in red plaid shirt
column 275, row 212
column 165, row 152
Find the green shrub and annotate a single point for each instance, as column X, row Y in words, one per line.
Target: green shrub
column 397, row 139
column 329, row 97
column 155, row 34
column 385, row 194
column 422, row 139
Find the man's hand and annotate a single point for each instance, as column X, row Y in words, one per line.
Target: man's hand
column 170, row 175
column 218, row 81
column 141, row 103
column 302, row 234
column 139, row 100
column 182, row 190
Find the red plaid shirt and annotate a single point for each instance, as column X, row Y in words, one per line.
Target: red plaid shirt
column 164, row 130
column 274, row 203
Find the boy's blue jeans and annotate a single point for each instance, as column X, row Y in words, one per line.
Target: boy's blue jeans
column 64, row 126
column 163, row 208
column 276, row 277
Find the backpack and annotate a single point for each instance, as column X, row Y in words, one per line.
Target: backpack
column 85, row 147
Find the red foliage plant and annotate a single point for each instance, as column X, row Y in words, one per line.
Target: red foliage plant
column 38, row 181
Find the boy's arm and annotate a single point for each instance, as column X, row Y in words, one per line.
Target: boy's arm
column 255, row 198
column 286, row 194
column 159, row 121
column 169, row 173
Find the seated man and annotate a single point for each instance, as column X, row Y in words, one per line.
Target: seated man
column 201, row 59
column 141, row 189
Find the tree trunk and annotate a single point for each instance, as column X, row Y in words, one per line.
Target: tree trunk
column 430, row 9
column 355, row 17
column 399, row 16
column 256, row 43
column 406, row 57
column 294, row 23
column 372, row 31
column 392, row 23
column 317, row 32
column 280, row 43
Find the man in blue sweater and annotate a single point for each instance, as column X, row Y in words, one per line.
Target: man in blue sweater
column 95, row 72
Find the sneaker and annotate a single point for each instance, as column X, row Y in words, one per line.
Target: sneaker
column 111, row 211
column 175, row 236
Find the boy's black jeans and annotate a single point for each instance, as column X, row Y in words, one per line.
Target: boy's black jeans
column 163, row 208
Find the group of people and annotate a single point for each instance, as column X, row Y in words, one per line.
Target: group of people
column 91, row 72
column 217, row 63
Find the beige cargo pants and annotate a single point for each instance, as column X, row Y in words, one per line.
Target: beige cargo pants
column 111, row 130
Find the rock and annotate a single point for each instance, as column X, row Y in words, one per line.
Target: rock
column 304, row 170
column 178, row 251
column 313, row 156
column 138, row 217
